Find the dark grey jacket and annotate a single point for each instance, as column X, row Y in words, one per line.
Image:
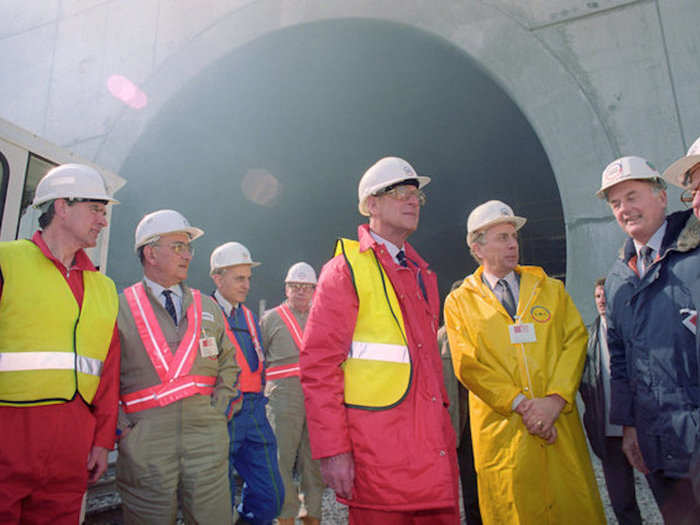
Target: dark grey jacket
column 593, row 393
column 653, row 356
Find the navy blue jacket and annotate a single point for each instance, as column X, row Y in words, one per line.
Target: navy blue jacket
column 653, row 357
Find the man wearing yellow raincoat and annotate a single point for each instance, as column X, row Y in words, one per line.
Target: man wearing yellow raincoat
column 518, row 344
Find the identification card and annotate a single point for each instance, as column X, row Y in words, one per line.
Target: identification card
column 207, row 347
column 522, row 333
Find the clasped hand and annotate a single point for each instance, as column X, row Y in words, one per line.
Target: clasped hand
column 539, row 415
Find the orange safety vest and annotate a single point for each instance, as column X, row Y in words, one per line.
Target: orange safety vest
column 248, row 380
column 279, row 372
column 173, row 370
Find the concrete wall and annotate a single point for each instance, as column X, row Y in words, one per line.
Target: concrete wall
column 596, row 80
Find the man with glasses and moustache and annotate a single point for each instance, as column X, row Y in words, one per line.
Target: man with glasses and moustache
column 371, row 371
column 178, row 377
column 282, row 331
column 685, row 173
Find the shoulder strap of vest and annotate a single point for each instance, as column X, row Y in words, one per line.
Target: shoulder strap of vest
column 340, row 248
column 227, row 328
column 352, row 250
column 166, row 365
column 292, row 325
column 250, row 321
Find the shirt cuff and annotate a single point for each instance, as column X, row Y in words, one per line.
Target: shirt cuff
column 518, row 399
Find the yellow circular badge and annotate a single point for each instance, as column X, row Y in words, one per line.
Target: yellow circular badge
column 540, row 314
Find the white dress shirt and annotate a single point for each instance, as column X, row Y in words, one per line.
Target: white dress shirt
column 176, row 296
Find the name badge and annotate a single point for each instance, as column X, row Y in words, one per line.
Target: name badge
column 207, row 347
column 522, row 333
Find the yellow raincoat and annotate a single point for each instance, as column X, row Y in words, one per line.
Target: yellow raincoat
column 522, row 479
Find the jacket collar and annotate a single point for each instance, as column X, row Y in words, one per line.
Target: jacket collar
column 367, row 241
column 682, row 235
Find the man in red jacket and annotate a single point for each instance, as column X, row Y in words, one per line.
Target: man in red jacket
column 59, row 354
column 370, row 367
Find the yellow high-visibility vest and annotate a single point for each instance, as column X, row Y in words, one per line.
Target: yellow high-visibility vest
column 49, row 348
column 378, row 368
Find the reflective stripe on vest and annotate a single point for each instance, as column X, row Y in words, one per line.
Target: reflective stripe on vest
column 50, row 348
column 250, row 321
column 282, row 371
column 290, row 370
column 292, row 325
column 166, row 393
column 248, row 380
column 378, row 370
column 173, row 370
column 14, row 361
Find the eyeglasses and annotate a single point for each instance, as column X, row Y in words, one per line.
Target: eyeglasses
column 688, row 196
column 301, row 286
column 404, row 193
column 179, row 248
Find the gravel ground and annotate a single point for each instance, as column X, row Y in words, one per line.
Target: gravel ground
column 336, row 514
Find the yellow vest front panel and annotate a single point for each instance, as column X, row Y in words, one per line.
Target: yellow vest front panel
column 49, row 348
column 378, row 368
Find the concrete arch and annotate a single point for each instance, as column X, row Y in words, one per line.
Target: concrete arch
column 567, row 125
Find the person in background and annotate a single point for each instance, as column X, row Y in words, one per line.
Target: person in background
column 282, row 333
column 459, row 414
column 253, row 447
column 604, row 437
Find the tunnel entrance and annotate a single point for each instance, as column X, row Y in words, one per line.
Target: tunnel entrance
column 266, row 146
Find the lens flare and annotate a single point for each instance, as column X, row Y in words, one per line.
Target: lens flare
column 125, row 90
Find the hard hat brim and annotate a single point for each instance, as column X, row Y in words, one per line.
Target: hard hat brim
column 46, row 198
column 675, row 173
column 194, row 233
column 517, row 222
column 422, row 182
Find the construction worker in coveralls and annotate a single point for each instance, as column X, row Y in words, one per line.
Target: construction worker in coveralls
column 253, row 448
column 177, row 385
column 59, row 354
column 282, row 331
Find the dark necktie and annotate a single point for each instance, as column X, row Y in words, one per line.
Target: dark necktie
column 169, row 305
column 645, row 252
column 403, row 261
column 507, row 299
column 401, row 257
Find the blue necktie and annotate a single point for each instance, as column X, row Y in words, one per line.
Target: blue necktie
column 169, row 305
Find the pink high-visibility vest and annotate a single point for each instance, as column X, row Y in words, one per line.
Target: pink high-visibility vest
column 173, row 370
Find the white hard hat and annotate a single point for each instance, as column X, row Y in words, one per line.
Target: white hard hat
column 301, row 272
column 162, row 222
column 384, row 173
column 230, row 254
column 491, row 213
column 675, row 173
column 72, row 181
column 626, row 168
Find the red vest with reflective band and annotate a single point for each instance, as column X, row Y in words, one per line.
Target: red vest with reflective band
column 279, row 372
column 173, row 370
column 248, row 380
